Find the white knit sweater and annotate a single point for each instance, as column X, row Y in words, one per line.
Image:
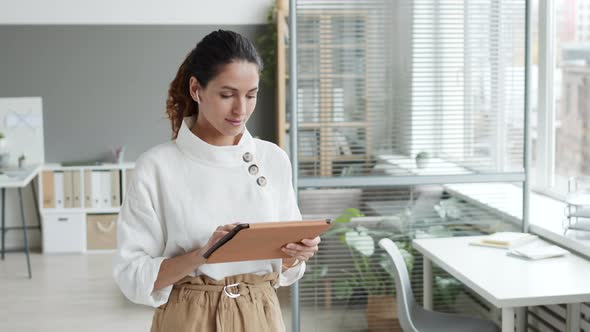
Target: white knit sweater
column 182, row 190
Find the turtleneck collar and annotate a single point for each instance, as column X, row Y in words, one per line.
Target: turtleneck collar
column 197, row 149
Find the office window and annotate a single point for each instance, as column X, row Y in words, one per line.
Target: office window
column 562, row 136
column 467, row 84
column 572, row 89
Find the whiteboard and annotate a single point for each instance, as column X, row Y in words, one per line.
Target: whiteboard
column 21, row 122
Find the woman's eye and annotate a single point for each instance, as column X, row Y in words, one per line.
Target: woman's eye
column 226, row 96
column 251, row 97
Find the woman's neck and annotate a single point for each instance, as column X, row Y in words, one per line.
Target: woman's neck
column 206, row 132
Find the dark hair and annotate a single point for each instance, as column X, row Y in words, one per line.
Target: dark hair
column 204, row 63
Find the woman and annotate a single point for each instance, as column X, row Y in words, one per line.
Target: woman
column 188, row 193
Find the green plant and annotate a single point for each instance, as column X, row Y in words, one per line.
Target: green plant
column 1, row 135
column 446, row 289
column 266, row 43
column 422, row 159
column 448, row 209
column 368, row 273
column 422, row 155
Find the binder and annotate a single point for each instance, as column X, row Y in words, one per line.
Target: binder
column 68, row 189
column 127, row 182
column 88, row 201
column 76, row 202
column 263, row 240
column 115, row 188
column 59, row 189
column 129, row 175
column 48, row 190
column 105, row 189
column 96, row 193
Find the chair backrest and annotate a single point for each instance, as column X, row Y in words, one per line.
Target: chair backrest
column 405, row 296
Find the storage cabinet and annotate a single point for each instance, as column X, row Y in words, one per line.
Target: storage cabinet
column 62, row 232
column 80, row 206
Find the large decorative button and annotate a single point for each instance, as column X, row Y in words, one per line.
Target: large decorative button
column 253, row 169
column 261, row 181
column 247, row 157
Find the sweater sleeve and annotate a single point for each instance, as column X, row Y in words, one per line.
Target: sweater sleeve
column 289, row 211
column 140, row 246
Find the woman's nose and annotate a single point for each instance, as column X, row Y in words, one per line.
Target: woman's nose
column 240, row 106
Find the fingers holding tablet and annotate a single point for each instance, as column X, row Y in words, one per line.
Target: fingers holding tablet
column 303, row 250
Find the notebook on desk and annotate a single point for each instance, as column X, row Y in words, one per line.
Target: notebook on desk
column 537, row 250
column 505, row 240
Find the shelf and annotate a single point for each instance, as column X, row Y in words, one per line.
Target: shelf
column 348, row 46
column 105, row 166
column 335, row 51
column 74, row 229
column 317, row 125
column 351, row 124
column 82, row 210
column 324, row 76
column 334, row 158
column 100, row 251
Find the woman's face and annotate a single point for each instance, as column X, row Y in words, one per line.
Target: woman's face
column 228, row 100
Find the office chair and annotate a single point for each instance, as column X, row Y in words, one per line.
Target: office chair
column 414, row 318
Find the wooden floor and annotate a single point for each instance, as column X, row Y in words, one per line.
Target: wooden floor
column 67, row 293
column 77, row 293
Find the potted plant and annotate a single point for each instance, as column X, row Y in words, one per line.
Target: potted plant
column 369, row 278
column 266, row 43
column 422, row 159
column 4, row 155
column 2, row 140
column 446, row 289
column 448, row 209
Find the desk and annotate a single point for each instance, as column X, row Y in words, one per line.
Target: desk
column 404, row 165
column 19, row 179
column 509, row 283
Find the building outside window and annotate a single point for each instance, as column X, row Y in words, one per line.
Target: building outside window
column 562, row 150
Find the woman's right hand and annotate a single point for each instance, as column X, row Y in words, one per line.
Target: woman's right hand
column 175, row 268
column 219, row 232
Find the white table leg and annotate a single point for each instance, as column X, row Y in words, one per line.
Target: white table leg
column 521, row 319
column 508, row 319
column 573, row 317
column 427, row 283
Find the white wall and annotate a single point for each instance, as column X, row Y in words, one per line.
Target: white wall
column 133, row 11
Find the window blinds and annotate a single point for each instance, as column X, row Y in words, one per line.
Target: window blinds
column 436, row 83
column 431, row 92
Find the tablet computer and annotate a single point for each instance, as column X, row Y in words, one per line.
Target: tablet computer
column 263, row 240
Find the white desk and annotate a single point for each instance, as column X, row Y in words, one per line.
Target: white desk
column 19, row 178
column 404, row 165
column 509, row 283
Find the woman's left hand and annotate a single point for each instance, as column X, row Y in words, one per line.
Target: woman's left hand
column 302, row 251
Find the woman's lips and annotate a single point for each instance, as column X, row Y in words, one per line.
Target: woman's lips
column 234, row 122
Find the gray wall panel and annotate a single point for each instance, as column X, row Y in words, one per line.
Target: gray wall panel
column 101, row 86
column 106, row 85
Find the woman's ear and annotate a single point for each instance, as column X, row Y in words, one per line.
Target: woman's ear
column 194, row 88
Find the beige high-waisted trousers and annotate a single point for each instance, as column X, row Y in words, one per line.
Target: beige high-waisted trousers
column 207, row 305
